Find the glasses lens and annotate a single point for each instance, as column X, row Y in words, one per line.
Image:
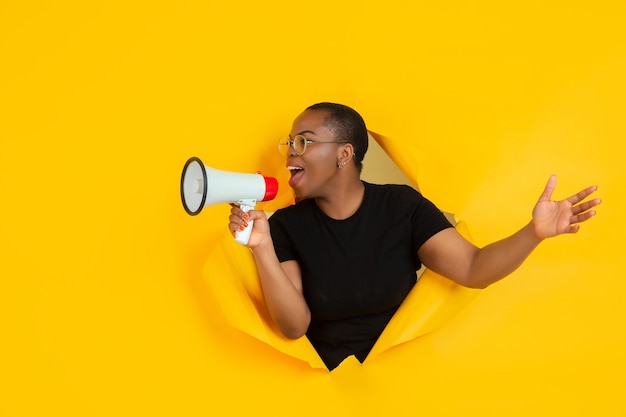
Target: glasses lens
column 283, row 145
column 299, row 144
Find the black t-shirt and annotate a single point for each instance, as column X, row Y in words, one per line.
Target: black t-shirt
column 356, row 272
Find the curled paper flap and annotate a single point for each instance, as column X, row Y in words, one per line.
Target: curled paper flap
column 230, row 273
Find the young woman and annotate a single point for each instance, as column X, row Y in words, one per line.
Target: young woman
column 336, row 265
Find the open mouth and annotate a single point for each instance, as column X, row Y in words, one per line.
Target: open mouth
column 296, row 174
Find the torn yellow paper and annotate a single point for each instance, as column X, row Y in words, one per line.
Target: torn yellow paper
column 230, row 272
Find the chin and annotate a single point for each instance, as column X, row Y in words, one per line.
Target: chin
column 299, row 195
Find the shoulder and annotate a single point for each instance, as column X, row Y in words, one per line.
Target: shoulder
column 394, row 193
column 390, row 188
column 402, row 200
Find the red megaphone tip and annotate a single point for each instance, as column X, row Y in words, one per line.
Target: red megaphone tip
column 271, row 188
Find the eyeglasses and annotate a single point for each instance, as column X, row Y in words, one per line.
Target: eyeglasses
column 299, row 144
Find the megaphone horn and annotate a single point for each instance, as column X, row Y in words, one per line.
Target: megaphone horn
column 201, row 186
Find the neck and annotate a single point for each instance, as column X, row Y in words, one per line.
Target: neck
column 344, row 201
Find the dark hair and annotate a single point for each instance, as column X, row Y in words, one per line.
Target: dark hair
column 346, row 124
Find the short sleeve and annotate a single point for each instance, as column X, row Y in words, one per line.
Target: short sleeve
column 427, row 220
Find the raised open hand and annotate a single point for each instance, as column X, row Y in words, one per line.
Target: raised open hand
column 551, row 218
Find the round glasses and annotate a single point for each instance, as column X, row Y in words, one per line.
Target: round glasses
column 299, row 144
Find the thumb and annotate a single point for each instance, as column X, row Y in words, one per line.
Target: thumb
column 546, row 196
column 256, row 214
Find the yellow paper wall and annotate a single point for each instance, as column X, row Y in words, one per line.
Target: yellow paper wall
column 104, row 309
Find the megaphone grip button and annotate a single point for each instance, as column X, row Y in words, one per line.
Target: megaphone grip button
column 271, row 188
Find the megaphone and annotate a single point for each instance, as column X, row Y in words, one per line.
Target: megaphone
column 201, row 186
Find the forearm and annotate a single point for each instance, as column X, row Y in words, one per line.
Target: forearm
column 499, row 259
column 283, row 299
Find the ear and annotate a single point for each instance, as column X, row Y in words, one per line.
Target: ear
column 345, row 153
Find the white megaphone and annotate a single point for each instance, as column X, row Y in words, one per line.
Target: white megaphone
column 201, row 186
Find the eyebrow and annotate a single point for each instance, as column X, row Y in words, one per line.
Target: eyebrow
column 303, row 132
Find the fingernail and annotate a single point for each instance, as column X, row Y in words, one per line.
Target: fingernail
column 241, row 228
column 245, row 216
column 245, row 224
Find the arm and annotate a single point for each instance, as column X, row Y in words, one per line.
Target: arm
column 281, row 282
column 451, row 255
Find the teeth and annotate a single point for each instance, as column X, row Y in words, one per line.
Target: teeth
column 294, row 168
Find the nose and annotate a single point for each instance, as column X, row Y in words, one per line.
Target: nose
column 291, row 151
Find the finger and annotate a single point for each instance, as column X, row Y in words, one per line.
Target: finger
column 587, row 205
column 573, row 228
column 235, row 219
column 581, row 195
column 236, row 211
column 255, row 215
column 233, row 228
column 547, row 192
column 236, row 223
column 579, row 218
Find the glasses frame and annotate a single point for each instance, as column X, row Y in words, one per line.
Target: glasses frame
column 291, row 143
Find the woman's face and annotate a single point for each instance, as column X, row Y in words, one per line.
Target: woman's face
column 312, row 172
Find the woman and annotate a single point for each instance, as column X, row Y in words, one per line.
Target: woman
column 337, row 265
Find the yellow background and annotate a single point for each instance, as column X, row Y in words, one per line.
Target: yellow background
column 103, row 306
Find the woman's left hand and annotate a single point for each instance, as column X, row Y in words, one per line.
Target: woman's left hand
column 552, row 218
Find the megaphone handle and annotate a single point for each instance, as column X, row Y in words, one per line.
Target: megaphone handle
column 244, row 236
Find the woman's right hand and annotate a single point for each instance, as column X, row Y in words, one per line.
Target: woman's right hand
column 239, row 220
